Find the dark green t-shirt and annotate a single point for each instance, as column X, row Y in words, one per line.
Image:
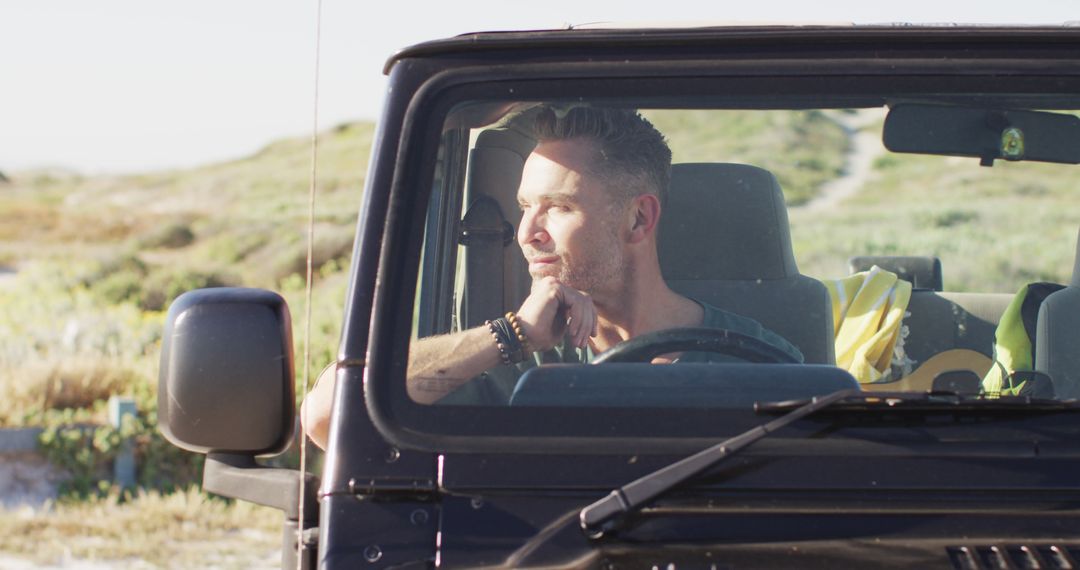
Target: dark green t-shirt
column 495, row 386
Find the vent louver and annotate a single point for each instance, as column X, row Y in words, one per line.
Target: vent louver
column 1013, row 557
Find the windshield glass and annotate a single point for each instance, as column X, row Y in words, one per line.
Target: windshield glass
column 693, row 241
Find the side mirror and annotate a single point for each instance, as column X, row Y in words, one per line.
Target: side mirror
column 226, row 389
column 226, row 379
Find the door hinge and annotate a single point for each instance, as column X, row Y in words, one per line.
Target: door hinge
column 391, row 487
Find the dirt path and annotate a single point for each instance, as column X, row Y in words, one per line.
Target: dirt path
column 240, row 552
column 201, row 556
column 182, row 530
column 12, row 563
column 865, row 147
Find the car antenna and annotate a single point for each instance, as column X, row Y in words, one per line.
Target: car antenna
column 307, row 281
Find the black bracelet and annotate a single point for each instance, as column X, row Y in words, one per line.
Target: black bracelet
column 510, row 349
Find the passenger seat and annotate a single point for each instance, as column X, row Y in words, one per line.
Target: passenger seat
column 1057, row 346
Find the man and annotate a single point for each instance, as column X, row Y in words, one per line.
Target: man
column 591, row 194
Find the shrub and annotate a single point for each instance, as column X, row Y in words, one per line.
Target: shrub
column 102, row 268
column 163, row 288
column 232, row 248
column 947, row 218
column 335, row 245
column 120, row 287
column 172, row 235
column 886, row 161
column 85, row 452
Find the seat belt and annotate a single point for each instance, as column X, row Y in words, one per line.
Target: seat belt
column 485, row 233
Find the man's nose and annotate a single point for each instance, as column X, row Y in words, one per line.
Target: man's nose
column 530, row 230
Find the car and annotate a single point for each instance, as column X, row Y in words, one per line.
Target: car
column 897, row 202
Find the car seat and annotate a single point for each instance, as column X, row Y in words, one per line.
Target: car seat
column 922, row 271
column 724, row 239
column 1057, row 344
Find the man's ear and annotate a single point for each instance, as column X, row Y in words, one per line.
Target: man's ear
column 645, row 210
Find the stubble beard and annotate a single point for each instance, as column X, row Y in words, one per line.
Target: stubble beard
column 600, row 270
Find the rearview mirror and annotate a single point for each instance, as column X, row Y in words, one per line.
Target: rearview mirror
column 987, row 134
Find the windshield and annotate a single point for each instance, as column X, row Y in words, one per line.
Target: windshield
column 746, row 253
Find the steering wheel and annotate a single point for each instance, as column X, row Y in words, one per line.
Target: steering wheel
column 645, row 347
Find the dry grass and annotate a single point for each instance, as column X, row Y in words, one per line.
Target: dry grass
column 64, row 348
column 181, row 530
column 60, row 383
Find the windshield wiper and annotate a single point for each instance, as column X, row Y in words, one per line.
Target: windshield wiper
column 605, row 514
column 927, row 401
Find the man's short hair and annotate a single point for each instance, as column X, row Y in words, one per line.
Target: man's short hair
column 632, row 155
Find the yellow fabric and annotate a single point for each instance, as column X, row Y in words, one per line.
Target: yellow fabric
column 1012, row 350
column 868, row 309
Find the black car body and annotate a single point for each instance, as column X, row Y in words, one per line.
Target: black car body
column 876, row 480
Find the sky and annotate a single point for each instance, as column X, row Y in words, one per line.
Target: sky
column 120, row 86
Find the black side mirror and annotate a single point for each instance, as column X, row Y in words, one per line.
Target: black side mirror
column 226, row 389
column 226, row 379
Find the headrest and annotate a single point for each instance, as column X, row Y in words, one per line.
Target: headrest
column 923, row 272
column 507, row 138
column 724, row 222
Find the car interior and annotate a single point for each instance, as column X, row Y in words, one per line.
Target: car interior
column 725, row 239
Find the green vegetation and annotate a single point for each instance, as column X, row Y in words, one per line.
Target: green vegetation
column 92, row 264
column 994, row 229
column 804, row 149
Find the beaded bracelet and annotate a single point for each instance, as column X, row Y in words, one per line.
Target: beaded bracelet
column 510, row 349
column 515, row 324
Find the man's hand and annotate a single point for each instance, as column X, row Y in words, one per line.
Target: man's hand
column 439, row 364
column 553, row 310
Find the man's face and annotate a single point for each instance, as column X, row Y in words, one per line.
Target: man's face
column 570, row 224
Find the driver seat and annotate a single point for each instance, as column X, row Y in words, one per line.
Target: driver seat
column 724, row 239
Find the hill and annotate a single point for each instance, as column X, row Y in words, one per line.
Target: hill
column 91, row 262
column 244, row 217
